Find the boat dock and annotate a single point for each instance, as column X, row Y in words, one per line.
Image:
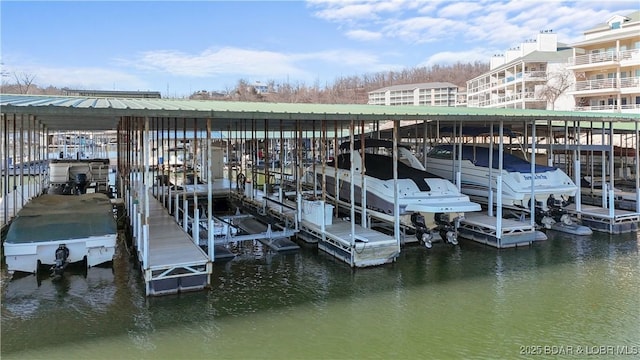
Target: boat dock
column 355, row 245
column 169, row 258
column 219, row 150
column 505, row 233
column 613, row 221
column 12, row 202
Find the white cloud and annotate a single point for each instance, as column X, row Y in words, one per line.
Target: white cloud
column 212, row 62
column 420, row 29
column 81, row 77
column 452, row 57
column 459, row 9
column 353, row 10
column 496, row 23
column 363, row 35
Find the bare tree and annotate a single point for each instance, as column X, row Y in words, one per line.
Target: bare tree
column 24, row 81
column 557, row 83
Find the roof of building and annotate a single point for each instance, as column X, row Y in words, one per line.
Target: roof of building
column 541, row 56
column 113, row 93
column 606, row 38
column 430, row 85
column 92, row 113
column 559, row 56
column 634, row 16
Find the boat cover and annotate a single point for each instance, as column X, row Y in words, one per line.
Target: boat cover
column 371, row 143
column 510, row 163
column 381, row 167
column 53, row 217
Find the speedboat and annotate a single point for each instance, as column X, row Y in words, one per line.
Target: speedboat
column 552, row 188
column 427, row 203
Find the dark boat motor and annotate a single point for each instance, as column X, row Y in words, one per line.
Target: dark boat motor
column 422, row 233
column 81, row 183
column 62, row 256
column 447, row 228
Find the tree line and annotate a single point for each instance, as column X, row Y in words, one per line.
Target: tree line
column 343, row 90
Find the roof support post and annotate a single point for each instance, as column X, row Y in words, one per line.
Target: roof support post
column 363, row 185
column 577, row 171
column 210, row 223
column 499, row 184
column 396, row 205
column 352, row 209
column 533, row 173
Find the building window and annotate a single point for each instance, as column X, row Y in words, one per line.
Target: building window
column 615, row 25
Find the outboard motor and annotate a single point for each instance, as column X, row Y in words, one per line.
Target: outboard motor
column 62, row 256
column 81, row 183
column 422, row 233
column 448, row 230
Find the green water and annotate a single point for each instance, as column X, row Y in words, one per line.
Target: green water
column 567, row 295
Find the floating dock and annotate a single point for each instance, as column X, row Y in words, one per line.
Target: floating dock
column 169, row 258
column 484, row 229
column 316, row 224
column 624, row 200
column 365, row 248
column 613, row 221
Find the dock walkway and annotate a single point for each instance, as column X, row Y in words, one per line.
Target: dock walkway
column 11, row 204
column 367, row 248
column 613, row 221
column 175, row 262
column 484, row 229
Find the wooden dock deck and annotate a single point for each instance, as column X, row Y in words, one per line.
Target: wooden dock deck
column 613, row 221
column 482, row 228
column 174, row 263
column 368, row 247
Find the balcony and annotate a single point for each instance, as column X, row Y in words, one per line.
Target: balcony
column 502, row 101
column 625, row 109
column 605, row 59
column 613, row 85
column 630, row 85
column 600, row 86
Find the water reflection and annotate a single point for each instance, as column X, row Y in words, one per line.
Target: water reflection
column 463, row 301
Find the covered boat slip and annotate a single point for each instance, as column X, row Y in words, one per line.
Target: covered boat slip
column 284, row 135
column 352, row 243
column 85, row 224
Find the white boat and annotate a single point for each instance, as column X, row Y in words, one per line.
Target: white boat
column 58, row 230
column 552, row 188
column 429, row 204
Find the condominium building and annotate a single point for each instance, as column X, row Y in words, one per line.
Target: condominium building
column 606, row 65
column 424, row 94
column 522, row 77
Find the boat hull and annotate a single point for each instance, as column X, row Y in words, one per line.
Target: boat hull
column 25, row 257
column 380, row 195
column 516, row 187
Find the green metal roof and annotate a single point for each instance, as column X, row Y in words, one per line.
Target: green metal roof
column 91, row 113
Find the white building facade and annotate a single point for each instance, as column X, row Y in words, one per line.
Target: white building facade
column 606, row 65
column 423, row 94
column 518, row 79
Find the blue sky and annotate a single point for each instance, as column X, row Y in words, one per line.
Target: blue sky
column 181, row 47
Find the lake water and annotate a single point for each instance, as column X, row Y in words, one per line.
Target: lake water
column 566, row 296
